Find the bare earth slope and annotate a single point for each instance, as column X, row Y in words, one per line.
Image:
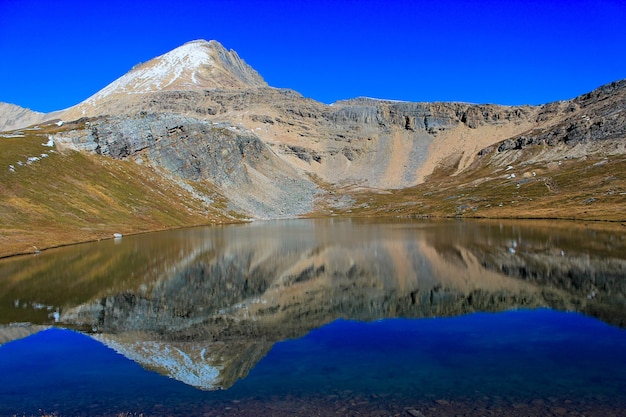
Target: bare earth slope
column 202, row 121
column 570, row 164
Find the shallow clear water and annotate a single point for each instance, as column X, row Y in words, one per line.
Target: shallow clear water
column 319, row 318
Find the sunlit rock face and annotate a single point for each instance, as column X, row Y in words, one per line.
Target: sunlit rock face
column 15, row 117
column 255, row 181
column 195, row 66
column 220, row 308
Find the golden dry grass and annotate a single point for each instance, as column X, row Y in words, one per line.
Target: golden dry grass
column 592, row 188
column 68, row 197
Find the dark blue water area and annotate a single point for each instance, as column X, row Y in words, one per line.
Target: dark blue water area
column 521, row 354
column 67, row 372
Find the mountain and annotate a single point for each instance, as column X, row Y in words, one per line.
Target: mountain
column 195, row 66
column 215, row 138
column 15, row 117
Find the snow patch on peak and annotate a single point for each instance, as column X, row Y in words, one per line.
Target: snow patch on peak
column 191, row 55
column 161, row 72
column 197, row 65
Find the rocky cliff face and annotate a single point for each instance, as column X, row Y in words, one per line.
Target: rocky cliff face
column 249, row 174
column 599, row 116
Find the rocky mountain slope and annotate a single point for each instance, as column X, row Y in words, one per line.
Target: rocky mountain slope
column 199, row 118
column 15, row 117
column 195, row 66
column 252, row 178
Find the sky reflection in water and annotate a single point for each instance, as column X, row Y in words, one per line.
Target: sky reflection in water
column 523, row 355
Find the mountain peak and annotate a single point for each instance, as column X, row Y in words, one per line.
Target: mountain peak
column 194, row 66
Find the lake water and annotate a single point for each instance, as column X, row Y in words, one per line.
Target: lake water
column 321, row 317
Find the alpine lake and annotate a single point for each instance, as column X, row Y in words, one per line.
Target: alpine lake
column 349, row 317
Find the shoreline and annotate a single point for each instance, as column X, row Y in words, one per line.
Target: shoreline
column 13, row 252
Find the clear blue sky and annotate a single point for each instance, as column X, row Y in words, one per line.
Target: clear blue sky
column 54, row 54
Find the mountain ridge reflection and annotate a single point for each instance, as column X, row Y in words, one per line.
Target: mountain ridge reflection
column 213, row 302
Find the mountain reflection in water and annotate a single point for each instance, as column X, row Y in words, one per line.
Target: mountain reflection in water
column 205, row 305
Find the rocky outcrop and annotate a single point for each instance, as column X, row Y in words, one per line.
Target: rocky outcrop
column 594, row 117
column 254, row 179
column 431, row 117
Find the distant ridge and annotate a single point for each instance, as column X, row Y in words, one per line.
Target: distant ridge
column 15, row 117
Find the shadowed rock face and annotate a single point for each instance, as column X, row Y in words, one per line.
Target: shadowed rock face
column 174, row 143
column 223, row 307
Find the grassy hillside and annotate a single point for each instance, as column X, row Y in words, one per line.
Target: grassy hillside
column 50, row 197
column 588, row 188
